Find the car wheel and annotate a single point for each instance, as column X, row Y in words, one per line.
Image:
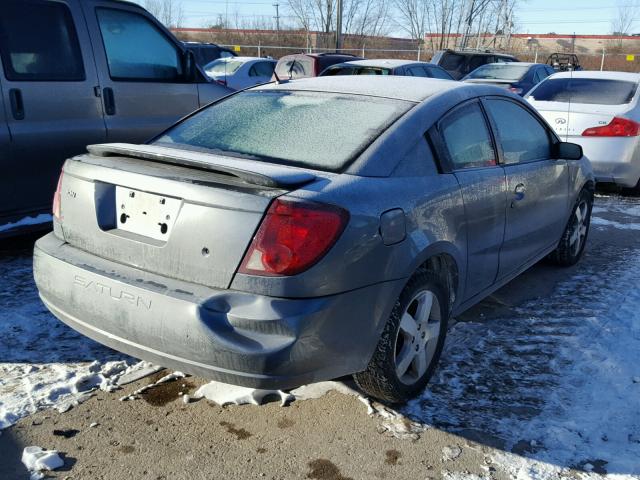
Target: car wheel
column 411, row 342
column 574, row 238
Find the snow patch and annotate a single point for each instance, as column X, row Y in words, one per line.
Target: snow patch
column 167, row 378
column 137, row 372
column 23, row 222
column 37, row 459
column 226, row 394
column 451, row 452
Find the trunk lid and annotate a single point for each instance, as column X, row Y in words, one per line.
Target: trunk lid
column 177, row 213
column 581, row 116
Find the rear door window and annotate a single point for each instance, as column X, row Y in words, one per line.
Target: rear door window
column 521, row 135
column 467, row 139
column 38, row 42
column 585, row 90
column 155, row 57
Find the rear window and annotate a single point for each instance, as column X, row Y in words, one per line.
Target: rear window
column 585, row 90
column 223, row 66
column 500, row 72
column 295, row 128
column 451, row 61
column 294, row 67
column 357, row 71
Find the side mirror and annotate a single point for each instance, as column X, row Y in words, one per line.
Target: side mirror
column 568, row 151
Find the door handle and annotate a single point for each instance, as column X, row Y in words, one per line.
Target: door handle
column 17, row 105
column 519, row 191
column 109, row 101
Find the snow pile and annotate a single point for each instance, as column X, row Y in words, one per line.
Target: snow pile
column 44, row 363
column 37, row 459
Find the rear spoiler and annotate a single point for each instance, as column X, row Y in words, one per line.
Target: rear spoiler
column 251, row 171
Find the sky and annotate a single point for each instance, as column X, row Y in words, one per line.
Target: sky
column 533, row 16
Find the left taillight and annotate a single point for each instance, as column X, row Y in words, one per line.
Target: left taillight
column 57, row 197
column 618, row 127
column 293, row 236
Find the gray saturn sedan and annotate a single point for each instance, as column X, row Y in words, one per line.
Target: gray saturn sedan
column 306, row 230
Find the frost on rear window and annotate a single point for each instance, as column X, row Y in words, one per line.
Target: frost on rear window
column 311, row 129
column 585, row 90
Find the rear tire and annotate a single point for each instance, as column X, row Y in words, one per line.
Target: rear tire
column 574, row 238
column 411, row 343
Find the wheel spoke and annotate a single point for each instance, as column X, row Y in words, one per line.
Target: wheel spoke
column 409, row 326
column 420, row 362
column 432, row 331
column 425, row 302
column 404, row 360
column 575, row 237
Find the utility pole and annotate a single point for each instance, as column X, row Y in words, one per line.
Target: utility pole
column 339, row 26
column 277, row 17
column 467, row 28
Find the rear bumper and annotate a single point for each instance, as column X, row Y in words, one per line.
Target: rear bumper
column 614, row 160
column 230, row 336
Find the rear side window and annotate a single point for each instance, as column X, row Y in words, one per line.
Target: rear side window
column 38, row 42
column 261, row 69
column 136, row 49
column 466, row 137
column 296, row 128
column 585, row 90
column 294, row 67
column 417, row 71
column 438, row 73
column 521, row 135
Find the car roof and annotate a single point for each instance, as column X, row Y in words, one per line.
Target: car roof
column 383, row 62
column 473, row 52
column 244, row 59
column 413, row 89
column 522, row 64
column 628, row 76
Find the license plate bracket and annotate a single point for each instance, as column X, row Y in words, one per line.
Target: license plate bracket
column 147, row 214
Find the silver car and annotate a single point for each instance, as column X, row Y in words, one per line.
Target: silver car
column 240, row 72
column 307, row 230
column 600, row 112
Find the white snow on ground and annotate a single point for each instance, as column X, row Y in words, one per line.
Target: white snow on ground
column 44, row 363
column 23, row 222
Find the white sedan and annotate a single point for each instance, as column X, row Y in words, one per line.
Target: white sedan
column 240, row 72
column 600, row 112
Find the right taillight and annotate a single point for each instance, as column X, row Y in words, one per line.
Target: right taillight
column 618, row 127
column 293, row 236
column 56, row 199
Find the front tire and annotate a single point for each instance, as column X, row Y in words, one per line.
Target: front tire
column 411, row 343
column 574, row 238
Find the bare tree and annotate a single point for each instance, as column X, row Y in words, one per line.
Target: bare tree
column 169, row 12
column 625, row 17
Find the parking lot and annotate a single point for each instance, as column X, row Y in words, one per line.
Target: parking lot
column 537, row 381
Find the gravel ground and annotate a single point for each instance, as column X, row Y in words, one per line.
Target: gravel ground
column 532, row 384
